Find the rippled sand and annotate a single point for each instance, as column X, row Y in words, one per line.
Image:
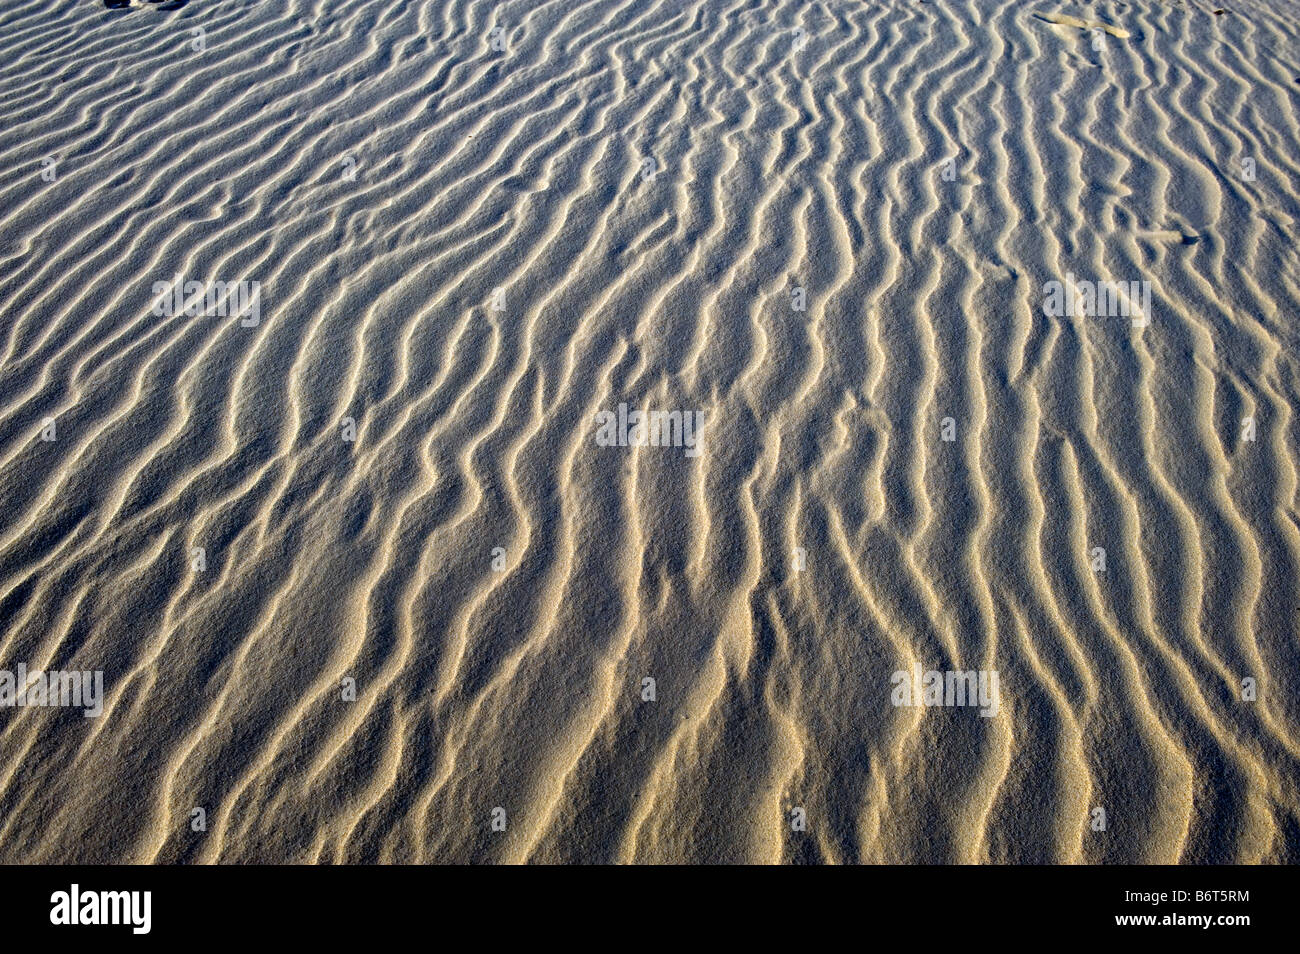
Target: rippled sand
column 476, row 226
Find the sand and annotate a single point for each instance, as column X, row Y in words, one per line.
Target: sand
column 375, row 569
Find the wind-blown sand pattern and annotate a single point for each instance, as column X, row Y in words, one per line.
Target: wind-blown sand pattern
column 470, row 242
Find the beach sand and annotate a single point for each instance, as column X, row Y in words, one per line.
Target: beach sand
column 375, row 569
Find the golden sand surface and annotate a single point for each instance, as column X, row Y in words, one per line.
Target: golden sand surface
column 379, row 563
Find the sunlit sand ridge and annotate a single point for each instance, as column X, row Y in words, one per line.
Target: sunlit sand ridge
column 626, row 404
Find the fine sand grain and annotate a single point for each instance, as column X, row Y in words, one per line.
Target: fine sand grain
column 819, row 233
